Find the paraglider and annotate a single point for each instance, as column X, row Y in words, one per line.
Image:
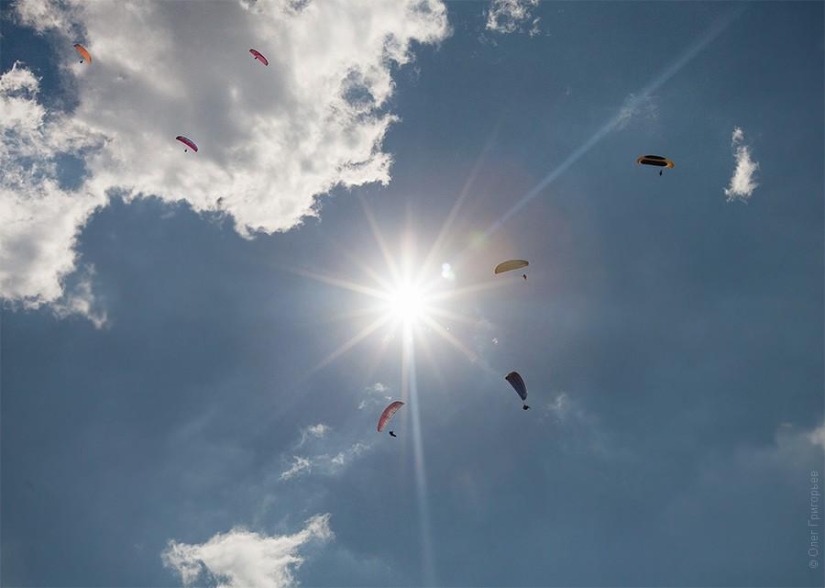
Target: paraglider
column 511, row 265
column 188, row 142
column 387, row 415
column 83, row 53
column 259, row 56
column 517, row 382
column 655, row 160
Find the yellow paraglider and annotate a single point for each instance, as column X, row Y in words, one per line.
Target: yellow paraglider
column 655, row 160
column 510, row 265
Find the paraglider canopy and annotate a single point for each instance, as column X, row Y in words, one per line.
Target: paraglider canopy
column 388, row 414
column 517, row 382
column 510, row 265
column 259, row 56
column 655, row 160
column 83, row 53
column 187, row 142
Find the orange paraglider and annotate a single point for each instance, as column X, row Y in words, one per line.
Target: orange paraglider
column 83, row 53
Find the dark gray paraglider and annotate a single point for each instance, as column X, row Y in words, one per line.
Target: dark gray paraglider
column 517, row 382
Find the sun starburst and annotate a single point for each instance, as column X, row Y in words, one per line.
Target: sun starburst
column 407, row 303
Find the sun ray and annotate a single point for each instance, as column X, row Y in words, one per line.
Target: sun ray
column 365, row 332
column 347, row 315
column 453, row 340
column 410, row 386
column 452, row 316
column 491, row 285
column 382, row 349
column 436, row 369
column 384, row 284
column 465, row 190
column 339, row 282
column 376, row 233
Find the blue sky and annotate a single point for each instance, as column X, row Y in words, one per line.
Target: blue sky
column 196, row 347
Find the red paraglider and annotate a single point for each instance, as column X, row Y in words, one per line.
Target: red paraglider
column 188, row 142
column 388, row 414
column 259, row 56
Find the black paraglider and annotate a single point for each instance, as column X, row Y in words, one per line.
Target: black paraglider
column 517, row 382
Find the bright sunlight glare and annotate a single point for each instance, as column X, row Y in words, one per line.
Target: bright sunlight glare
column 406, row 303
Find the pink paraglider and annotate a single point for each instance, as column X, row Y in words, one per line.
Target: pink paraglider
column 188, row 142
column 259, row 56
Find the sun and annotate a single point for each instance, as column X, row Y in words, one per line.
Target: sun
column 407, row 304
column 417, row 298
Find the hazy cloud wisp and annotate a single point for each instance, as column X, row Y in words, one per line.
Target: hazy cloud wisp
column 510, row 16
column 313, row 432
column 300, row 466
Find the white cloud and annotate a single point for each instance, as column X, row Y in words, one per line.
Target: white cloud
column 40, row 218
column 635, row 107
column 44, row 15
column 331, row 465
column 271, row 138
column 300, row 466
column 241, row 558
column 317, row 430
column 378, row 393
column 741, row 184
column 510, row 16
column 379, row 388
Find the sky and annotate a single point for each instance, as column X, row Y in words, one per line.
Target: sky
column 195, row 347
